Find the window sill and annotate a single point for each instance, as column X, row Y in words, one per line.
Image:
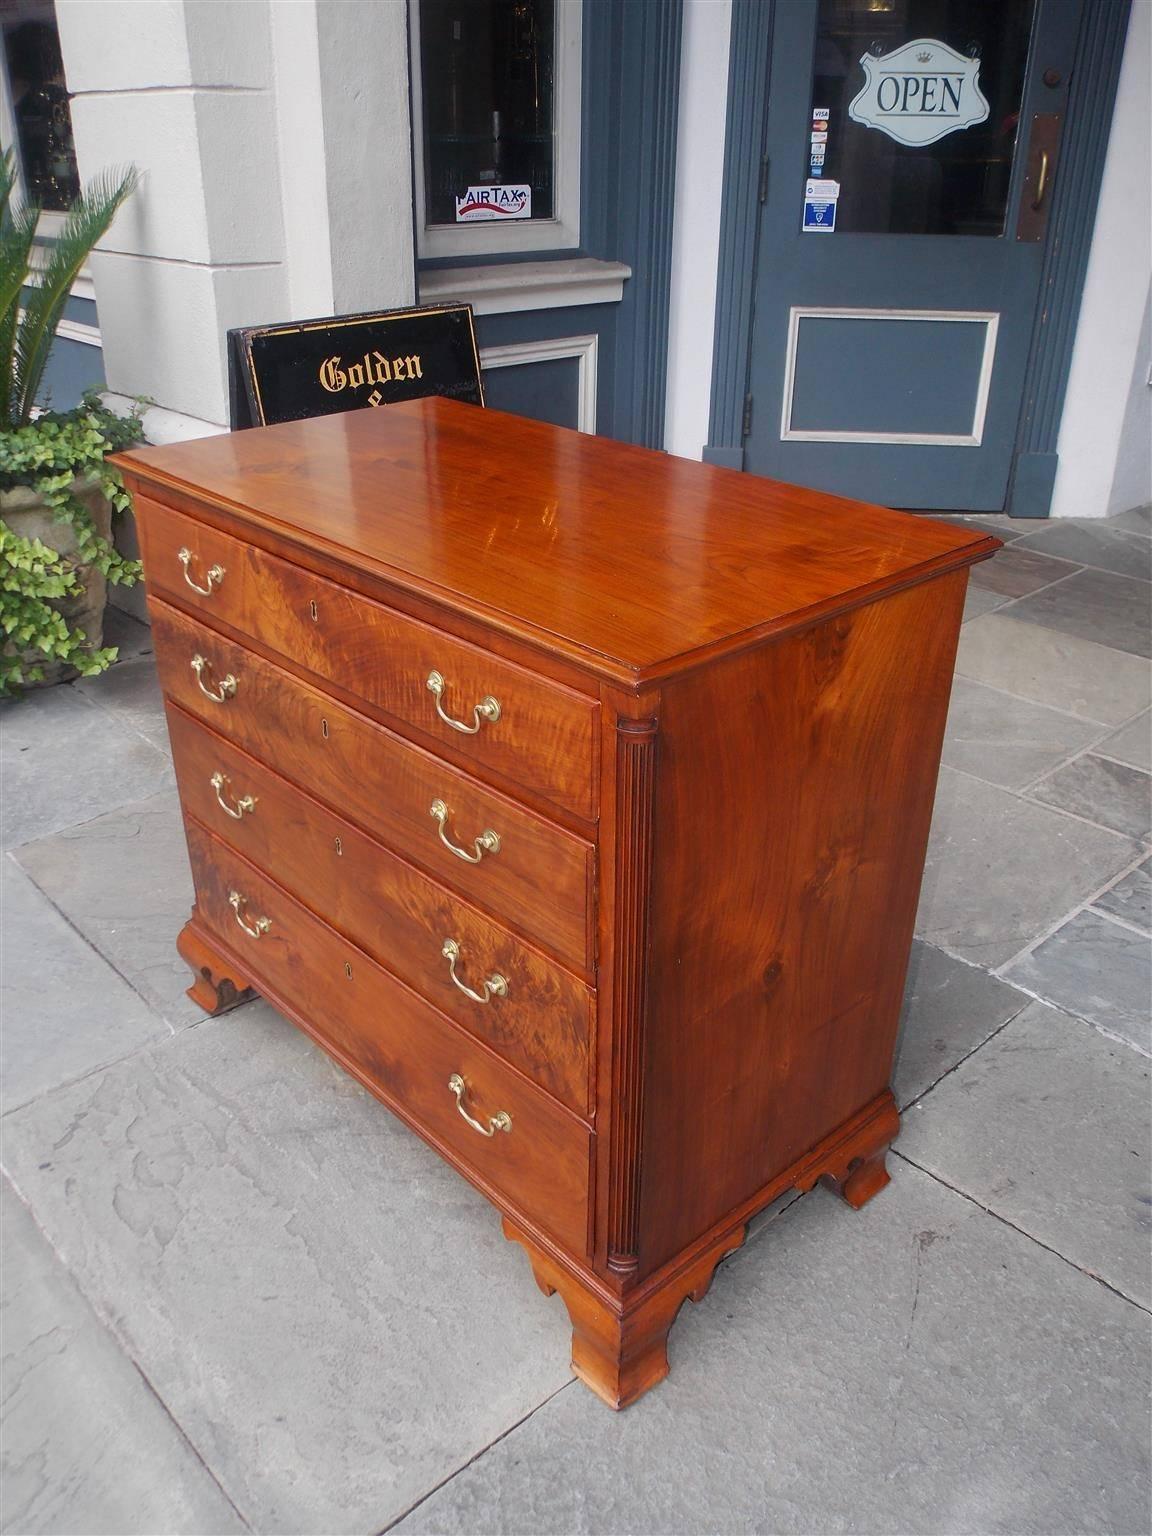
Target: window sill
column 519, row 285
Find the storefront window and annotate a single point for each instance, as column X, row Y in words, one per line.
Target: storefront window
column 496, row 100
column 487, row 68
column 41, row 120
column 915, row 112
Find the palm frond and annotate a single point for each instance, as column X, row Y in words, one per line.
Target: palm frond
column 17, row 232
column 88, row 221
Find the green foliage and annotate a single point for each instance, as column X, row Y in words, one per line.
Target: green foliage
column 31, row 576
column 51, row 452
column 27, row 333
column 49, row 455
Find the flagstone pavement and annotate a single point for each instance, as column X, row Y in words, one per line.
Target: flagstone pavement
column 239, row 1296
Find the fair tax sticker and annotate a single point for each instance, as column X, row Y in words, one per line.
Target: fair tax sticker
column 490, row 204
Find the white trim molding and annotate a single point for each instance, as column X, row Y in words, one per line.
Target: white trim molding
column 514, row 286
column 990, row 319
column 584, row 349
column 562, row 232
column 76, row 330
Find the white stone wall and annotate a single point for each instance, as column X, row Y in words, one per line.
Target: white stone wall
column 274, row 140
column 1107, row 417
column 696, row 226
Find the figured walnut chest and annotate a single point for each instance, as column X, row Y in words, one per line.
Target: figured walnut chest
column 574, row 798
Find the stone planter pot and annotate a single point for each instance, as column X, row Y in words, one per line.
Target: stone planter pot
column 30, row 518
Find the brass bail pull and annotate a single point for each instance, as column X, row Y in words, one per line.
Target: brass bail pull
column 494, row 986
column 213, row 576
column 487, row 842
column 487, row 709
column 224, row 690
column 500, row 1121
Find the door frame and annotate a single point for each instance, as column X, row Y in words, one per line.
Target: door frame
column 1087, row 124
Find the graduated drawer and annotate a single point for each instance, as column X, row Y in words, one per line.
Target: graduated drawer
column 399, row 1043
column 527, row 1007
column 539, row 878
column 542, row 738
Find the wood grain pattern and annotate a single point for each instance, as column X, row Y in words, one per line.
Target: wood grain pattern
column 543, row 739
column 728, row 702
column 403, row 1047
column 781, row 932
column 543, row 1025
column 538, row 883
column 629, row 562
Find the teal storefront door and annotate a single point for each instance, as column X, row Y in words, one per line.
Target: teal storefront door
column 912, row 151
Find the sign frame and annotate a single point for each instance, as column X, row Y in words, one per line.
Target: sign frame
column 247, row 406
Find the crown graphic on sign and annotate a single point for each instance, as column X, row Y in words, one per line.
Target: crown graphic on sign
column 923, row 58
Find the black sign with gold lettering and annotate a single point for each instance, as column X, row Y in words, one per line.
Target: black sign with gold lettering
column 317, row 367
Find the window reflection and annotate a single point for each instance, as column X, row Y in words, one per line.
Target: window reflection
column 40, row 107
column 955, row 186
column 487, row 83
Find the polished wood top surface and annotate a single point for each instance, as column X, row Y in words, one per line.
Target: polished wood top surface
column 628, row 561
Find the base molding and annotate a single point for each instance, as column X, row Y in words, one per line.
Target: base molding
column 621, row 1350
column 219, row 984
column 620, row 1338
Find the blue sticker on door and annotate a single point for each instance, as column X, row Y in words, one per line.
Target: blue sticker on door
column 820, row 206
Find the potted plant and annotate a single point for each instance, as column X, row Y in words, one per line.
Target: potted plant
column 57, row 494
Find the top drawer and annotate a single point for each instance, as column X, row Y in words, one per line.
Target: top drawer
column 538, row 734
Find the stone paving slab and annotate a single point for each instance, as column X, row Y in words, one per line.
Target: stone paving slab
column 1131, row 897
column 328, row 1310
column 1098, row 969
column 1001, row 870
column 1016, row 571
column 950, row 1009
column 123, row 881
column 131, row 693
column 128, row 634
column 1132, row 743
column 1096, row 542
column 1115, row 611
column 917, row 1367
column 1009, row 741
column 1063, row 671
column 87, row 1446
column 64, row 760
column 65, row 1011
column 1110, row 794
column 977, row 601
column 1048, row 1126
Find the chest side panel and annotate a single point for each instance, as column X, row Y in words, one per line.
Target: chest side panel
column 793, row 799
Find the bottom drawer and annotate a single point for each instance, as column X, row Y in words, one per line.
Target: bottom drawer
column 537, row 1161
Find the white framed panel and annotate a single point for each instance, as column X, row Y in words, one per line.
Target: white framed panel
column 989, row 319
column 584, row 349
column 562, row 231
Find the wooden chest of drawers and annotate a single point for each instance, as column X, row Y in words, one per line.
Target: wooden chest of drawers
column 574, row 798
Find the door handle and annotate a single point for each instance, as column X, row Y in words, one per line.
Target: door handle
column 1041, row 182
column 1043, row 161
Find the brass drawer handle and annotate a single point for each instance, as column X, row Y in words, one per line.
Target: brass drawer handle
column 487, row 842
column 253, row 930
column 227, row 685
column 500, row 1121
column 245, row 803
column 494, row 986
column 213, row 576
column 487, row 709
